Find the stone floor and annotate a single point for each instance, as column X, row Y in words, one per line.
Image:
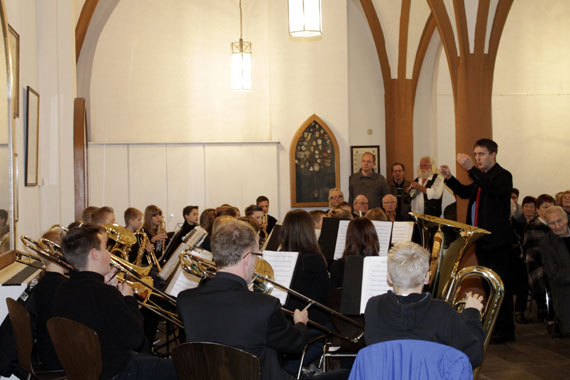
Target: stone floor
column 534, row 355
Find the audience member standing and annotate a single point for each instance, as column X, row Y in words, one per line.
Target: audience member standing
column 399, row 186
column 368, row 182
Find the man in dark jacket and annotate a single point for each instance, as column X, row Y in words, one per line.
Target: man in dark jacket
column 489, row 208
column 555, row 249
column 108, row 308
column 407, row 313
column 223, row 310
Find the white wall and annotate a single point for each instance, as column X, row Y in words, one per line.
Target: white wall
column 47, row 64
column 531, row 93
column 531, row 116
column 173, row 176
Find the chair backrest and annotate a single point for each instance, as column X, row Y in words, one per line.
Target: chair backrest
column 77, row 348
column 214, row 361
column 22, row 326
column 411, row 359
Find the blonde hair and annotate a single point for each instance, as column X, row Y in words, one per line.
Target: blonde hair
column 407, row 264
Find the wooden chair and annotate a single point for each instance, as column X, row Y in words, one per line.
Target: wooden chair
column 22, row 326
column 213, row 361
column 77, row 348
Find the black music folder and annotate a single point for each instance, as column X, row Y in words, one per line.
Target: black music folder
column 273, row 242
column 352, row 285
column 327, row 240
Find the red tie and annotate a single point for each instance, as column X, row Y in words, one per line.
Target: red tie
column 477, row 206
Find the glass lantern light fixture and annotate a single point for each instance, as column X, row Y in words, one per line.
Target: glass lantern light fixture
column 305, row 18
column 241, row 60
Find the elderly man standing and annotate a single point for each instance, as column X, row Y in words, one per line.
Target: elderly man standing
column 427, row 189
column 555, row 248
column 368, row 182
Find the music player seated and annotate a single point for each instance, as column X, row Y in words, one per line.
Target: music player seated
column 38, row 299
column 407, row 313
column 223, row 310
column 108, row 308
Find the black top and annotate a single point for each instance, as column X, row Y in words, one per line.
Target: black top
column 311, row 279
column 40, row 307
column 223, row 310
column 494, row 204
column 419, row 316
column 271, row 221
column 116, row 319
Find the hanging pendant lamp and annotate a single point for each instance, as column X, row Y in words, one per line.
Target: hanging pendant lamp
column 241, row 60
column 305, row 18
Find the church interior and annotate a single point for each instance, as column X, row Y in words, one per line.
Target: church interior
column 127, row 103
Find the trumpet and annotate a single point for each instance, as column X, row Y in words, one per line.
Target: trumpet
column 263, row 282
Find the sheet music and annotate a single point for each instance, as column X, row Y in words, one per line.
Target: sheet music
column 283, row 264
column 374, row 279
column 172, row 262
column 340, row 239
column 402, row 231
column 181, row 281
column 384, row 231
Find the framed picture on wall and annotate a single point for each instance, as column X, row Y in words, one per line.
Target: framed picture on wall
column 356, row 152
column 32, row 136
column 314, row 164
column 14, row 45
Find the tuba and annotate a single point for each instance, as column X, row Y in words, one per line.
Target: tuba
column 123, row 240
column 448, row 240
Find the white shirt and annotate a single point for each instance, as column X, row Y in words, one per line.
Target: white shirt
column 434, row 192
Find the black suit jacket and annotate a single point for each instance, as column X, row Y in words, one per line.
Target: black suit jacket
column 223, row 310
column 494, row 204
column 556, row 259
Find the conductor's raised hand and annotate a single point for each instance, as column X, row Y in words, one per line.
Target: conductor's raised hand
column 465, row 161
column 301, row 316
column 474, row 300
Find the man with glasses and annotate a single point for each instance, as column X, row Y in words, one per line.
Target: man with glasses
column 555, row 249
column 367, row 182
column 225, row 311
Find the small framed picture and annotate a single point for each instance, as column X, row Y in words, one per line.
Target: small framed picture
column 14, row 45
column 356, row 153
column 32, row 136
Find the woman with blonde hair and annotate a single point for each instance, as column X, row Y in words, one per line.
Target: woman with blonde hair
column 155, row 228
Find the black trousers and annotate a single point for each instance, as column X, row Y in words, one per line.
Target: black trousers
column 499, row 260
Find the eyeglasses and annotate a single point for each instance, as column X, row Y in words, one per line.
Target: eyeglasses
column 259, row 254
column 336, row 196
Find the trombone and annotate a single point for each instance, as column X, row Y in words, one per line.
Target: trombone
column 138, row 278
column 263, row 283
column 135, row 277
